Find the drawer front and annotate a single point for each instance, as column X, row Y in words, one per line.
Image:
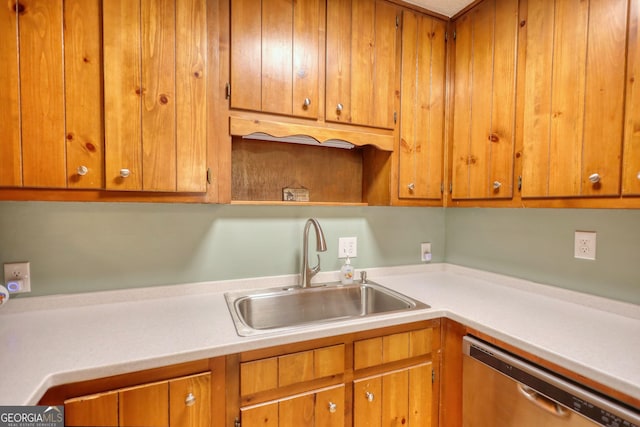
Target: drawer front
column 295, row 368
column 392, row 348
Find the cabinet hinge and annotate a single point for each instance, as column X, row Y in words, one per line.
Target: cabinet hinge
column 227, row 91
column 397, row 21
column 519, row 182
column 395, row 117
column 446, row 36
column 454, row 35
column 433, row 376
column 208, row 175
column 451, row 187
column 442, row 188
column 237, row 422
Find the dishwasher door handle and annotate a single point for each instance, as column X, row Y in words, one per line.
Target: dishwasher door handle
column 543, row 401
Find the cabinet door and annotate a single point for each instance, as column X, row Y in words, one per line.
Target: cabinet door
column 421, row 150
column 146, row 405
column 631, row 156
column 190, row 401
column 155, row 112
column 399, row 398
column 274, row 56
column 100, row 410
column 323, row 408
column 484, row 101
column 360, row 62
column 574, row 98
column 50, row 94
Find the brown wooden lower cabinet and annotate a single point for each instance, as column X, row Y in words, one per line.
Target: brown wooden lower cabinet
column 177, row 402
column 321, row 408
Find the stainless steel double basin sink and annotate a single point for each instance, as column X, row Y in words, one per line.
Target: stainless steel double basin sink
column 282, row 309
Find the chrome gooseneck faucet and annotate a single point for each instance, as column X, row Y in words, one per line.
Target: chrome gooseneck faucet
column 321, row 246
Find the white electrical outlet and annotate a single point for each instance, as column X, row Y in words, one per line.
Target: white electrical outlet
column 425, row 252
column 347, row 246
column 585, row 245
column 17, row 277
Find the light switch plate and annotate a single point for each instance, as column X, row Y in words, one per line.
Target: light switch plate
column 347, row 246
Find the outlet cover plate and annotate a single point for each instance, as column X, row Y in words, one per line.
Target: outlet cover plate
column 17, row 277
column 585, row 245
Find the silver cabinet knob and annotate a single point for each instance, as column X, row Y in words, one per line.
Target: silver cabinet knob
column 82, row 170
column 497, row 185
column 369, row 396
column 638, row 176
column 125, row 173
column 307, row 102
column 332, row 407
column 411, row 186
column 339, row 108
column 594, row 178
column 190, row 400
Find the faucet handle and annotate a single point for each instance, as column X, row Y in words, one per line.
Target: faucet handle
column 316, row 269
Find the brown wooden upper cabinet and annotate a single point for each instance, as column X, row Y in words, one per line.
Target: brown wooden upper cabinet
column 574, row 97
column 51, row 94
column 155, row 55
column 631, row 156
column 275, row 48
column 484, row 101
column 422, row 100
column 361, row 62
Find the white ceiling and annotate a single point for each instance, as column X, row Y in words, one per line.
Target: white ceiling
column 443, row 7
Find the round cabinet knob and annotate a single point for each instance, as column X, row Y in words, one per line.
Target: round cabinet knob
column 339, row 108
column 369, row 396
column 82, row 170
column 638, row 176
column 307, row 102
column 594, row 178
column 411, row 186
column 125, row 173
column 332, row 407
column 497, row 185
column 190, row 400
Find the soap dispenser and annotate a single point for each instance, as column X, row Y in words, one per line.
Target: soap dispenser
column 346, row 273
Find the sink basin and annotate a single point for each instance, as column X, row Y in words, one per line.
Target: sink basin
column 279, row 309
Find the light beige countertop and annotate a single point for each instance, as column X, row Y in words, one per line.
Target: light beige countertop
column 48, row 341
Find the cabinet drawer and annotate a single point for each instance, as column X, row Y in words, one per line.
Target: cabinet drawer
column 268, row 374
column 391, row 348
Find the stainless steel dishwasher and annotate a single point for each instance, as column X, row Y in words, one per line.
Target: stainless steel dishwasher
column 499, row 389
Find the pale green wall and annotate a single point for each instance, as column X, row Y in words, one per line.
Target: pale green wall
column 537, row 244
column 75, row 247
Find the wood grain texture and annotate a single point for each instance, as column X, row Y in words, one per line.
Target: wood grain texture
column 100, row 410
column 42, row 94
column 306, row 51
column 367, row 412
column 574, row 98
column 83, row 93
column 158, row 32
column 261, row 169
column 144, row 406
column 604, row 97
column 298, row 411
column 323, row 417
column 265, row 415
column 10, row 148
column 420, row 395
column 258, row 376
column 197, row 414
column 395, row 399
column 421, row 148
column 338, row 61
column 277, row 56
column 382, row 107
column 395, row 347
column 191, row 95
column 122, row 94
column 296, row 367
column 631, row 174
column 246, row 55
